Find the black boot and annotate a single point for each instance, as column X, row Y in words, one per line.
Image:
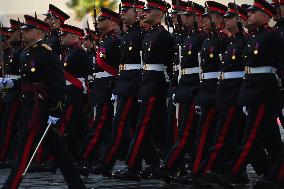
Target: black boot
column 127, row 174
column 84, row 168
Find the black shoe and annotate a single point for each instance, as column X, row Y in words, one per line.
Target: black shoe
column 84, row 168
column 49, row 166
column 147, row 173
column 188, row 179
column 163, row 173
column 267, row 184
column 127, row 174
column 6, row 164
column 101, row 169
column 35, row 167
column 242, row 178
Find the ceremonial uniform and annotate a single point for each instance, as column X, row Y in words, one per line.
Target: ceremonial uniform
column 127, row 90
column 42, row 94
column 105, row 73
column 157, row 54
column 211, row 52
column 230, row 116
column 260, row 94
column 186, row 90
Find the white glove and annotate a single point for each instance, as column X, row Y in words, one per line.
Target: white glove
column 52, row 120
column 1, row 83
column 8, row 83
column 245, row 110
column 113, row 98
column 198, row 110
column 283, row 111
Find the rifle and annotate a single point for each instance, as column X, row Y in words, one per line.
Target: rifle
column 195, row 24
column 21, row 34
column 96, row 27
column 35, row 15
column 240, row 25
column 120, row 22
column 179, row 21
column 168, row 20
column 91, row 36
column 1, row 52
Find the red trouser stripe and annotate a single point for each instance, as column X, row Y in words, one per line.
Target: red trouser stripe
column 184, row 138
column 24, row 159
column 221, row 139
column 9, row 130
column 202, row 142
column 97, row 132
column 250, row 140
column 142, row 131
column 280, row 176
column 120, row 128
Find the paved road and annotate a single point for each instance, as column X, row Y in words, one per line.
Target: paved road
column 56, row 181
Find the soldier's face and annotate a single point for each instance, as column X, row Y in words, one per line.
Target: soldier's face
column 256, row 18
column 128, row 16
column 187, row 20
column 48, row 20
column 231, row 23
column 29, row 35
column 66, row 39
column 103, row 25
column 206, row 23
column 87, row 43
column 14, row 37
column 174, row 18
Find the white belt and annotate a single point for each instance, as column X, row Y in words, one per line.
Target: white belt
column 194, row 70
column 83, row 84
column 259, row 70
column 154, row 67
column 14, row 77
column 209, row 75
column 129, row 67
column 102, row 74
column 231, row 75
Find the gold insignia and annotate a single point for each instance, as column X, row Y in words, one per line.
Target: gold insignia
column 189, row 52
column 233, row 57
column 255, row 51
column 65, row 64
column 211, row 55
column 130, row 48
column 35, row 45
column 102, row 55
column 149, row 49
column 33, row 69
column 47, row 47
column 11, row 60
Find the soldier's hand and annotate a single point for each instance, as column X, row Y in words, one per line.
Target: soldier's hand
column 198, row 110
column 245, row 110
column 8, row 83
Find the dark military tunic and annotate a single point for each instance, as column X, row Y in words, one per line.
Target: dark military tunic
column 109, row 53
column 265, row 48
column 188, row 84
column 127, row 83
column 157, row 48
column 211, row 52
column 228, row 89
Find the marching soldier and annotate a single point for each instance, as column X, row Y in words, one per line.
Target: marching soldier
column 42, row 96
column 106, row 71
column 157, row 54
column 230, row 115
column 260, row 93
column 187, row 88
column 55, row 18
column 205, row 101
column 10, row 95
column 126, row 88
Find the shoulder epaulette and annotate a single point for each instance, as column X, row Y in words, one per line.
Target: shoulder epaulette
column 46, row 46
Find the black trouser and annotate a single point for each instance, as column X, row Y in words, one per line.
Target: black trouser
column 123, row 126
column 260, row 132
column 9, row 127
column 227, row 137
column 142, row 145
column 204, row 136
column 34, row 116
column 187, row 137
column 100, row 134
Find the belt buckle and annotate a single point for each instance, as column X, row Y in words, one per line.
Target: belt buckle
column 122, row 67
column 221, row 76
column 183, row 72
column 247, row 70
column 145, row 67
column 201, row 76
